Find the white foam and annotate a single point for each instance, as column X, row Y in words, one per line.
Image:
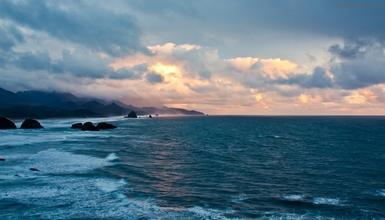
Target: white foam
column 108, row 185
column 204, row 213
column 293, row 216
column 28, row 137
column 327, row 201
column 85, row 197
column 111, row 157
column 381, row 192
column 55, row 161
column 293, row 197
column 240, row 198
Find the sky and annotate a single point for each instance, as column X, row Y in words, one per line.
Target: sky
column 262, row 57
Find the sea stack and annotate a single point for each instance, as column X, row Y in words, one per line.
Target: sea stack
column 30, row 124
column 77, row 126
column 5, row 123
column 132, row 114
column 89, row 126
column 104, row 125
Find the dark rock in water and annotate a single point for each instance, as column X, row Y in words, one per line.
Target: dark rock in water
column 77, row 126
column 33, row 169
column 132, row 114
column 104, row 125
column 89, row 126
column 2, row 159
column 5, row 123
column 150, row 116
column 30, row 124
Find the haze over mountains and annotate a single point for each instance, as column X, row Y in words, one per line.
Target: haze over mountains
column 41, row 104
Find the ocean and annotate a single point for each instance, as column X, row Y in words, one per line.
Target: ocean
column 212, row 167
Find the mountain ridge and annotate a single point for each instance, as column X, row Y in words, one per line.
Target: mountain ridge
column 41, row 104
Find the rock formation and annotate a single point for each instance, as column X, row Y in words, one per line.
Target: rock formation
column 104, row 125
column 30, row 124
column 89, row 126
column 5, row 123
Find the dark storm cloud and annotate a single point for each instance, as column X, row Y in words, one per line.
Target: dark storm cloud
column 351, row 49
column 154, row 78
column 347, row 19
column 9, row 36
column 359, row 73
column 78, row 63
column 317, row 79
column 76, row 21
column 135, row 72
column 86, row 28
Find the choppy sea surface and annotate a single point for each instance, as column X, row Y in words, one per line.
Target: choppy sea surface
column 196, row 168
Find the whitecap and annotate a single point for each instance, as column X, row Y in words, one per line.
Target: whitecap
column 239, row 198
column 292, row 216
column 381, row 192
column 327, row 201
column 88, row 197
column 55, row 161
column 111, row 157
column 205, row 213
column 108, row 185
column 293, row 197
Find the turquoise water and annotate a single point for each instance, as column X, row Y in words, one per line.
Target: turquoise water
column 197, row 168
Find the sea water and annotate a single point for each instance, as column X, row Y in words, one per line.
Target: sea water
column 223, row 167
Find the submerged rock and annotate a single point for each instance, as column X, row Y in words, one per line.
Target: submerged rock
column 77, row 126
column 33, row 169
column 104, row 125
column 89, row 126
column 2, row 159
column 30, row 124
column 132, row 114
column 5, row 123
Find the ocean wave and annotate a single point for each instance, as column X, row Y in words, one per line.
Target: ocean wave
column 89, row 197
column 112, row 157
column 327, row 201
column 293, row 197
column 381, row 192
column 240, row 198
column 312, row 200
column 56, row 161
column 293, row 216
column 28, row 137
column 108, row 185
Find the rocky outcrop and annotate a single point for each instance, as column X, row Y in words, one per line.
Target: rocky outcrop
column 89, row 126
column 34, row 169
column 30, row 124
column 5, row 123
column 104, row 125
column 77, row 126
column 2, row 159
column 132, row 114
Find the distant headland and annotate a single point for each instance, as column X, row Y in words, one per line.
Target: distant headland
column 41, row 104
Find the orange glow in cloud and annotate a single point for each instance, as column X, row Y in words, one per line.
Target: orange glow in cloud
column 243, row 63
column 360, row 97
column 165, row 68
column 307, row 99
column 272, row 68
column 276, row 68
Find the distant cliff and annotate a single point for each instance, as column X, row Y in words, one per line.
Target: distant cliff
column 40, row 104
